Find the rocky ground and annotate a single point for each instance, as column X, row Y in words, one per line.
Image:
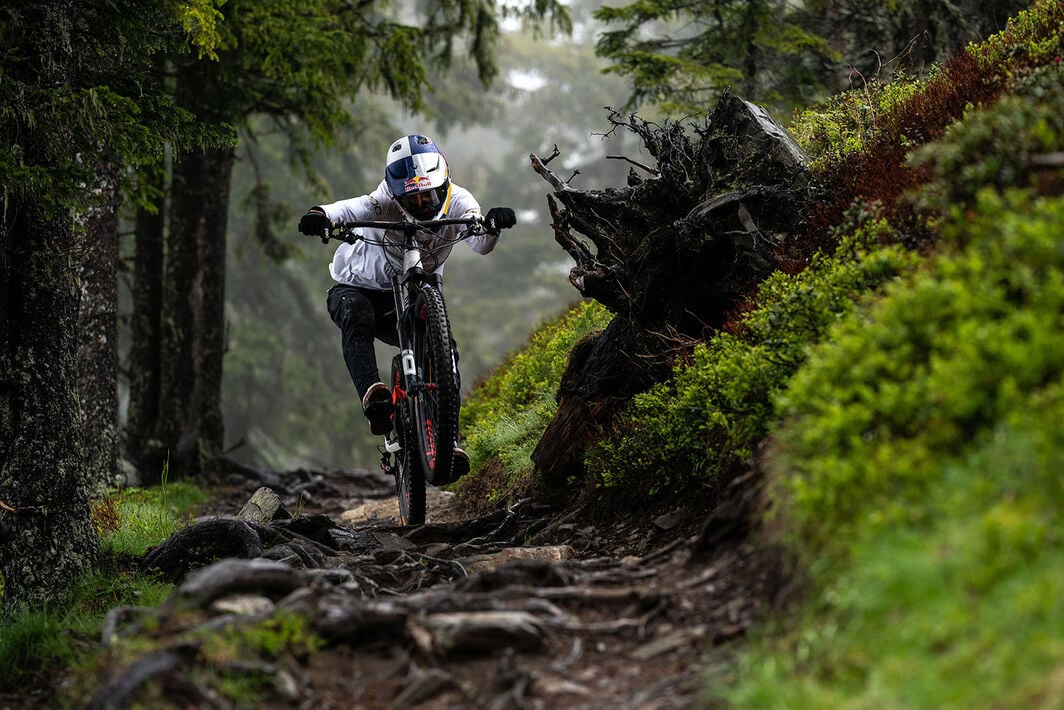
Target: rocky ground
column 527, row 607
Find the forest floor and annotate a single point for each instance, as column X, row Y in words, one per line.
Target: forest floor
column 526, row 607
column 579, row 608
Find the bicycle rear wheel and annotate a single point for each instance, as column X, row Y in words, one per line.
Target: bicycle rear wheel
column 436, row 403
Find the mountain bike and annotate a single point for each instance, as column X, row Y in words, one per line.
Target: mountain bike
column 424, row 379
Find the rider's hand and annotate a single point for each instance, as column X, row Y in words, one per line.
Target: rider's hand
column 314, row 223
column 499, row 218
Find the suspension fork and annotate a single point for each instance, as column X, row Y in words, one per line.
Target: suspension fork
column 404, row 290
column 403, row 328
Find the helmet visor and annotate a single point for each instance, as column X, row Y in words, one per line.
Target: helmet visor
column 424, row 205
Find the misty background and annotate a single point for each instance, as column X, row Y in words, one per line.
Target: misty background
column 287, row 399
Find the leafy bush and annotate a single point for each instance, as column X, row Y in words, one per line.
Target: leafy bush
column 919, row 474
column 718, row 406
column 504, row 415
column 847, row 121
column 1032, row 38
column 861, row 143
column 943, row 358
column 994, row 146
column 964, row 611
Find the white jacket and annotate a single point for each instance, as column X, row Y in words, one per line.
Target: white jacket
column 371, row 265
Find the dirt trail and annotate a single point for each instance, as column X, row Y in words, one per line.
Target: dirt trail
column 527, row 607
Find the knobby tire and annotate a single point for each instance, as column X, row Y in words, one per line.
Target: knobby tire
column 409, row 475
column 436, row 404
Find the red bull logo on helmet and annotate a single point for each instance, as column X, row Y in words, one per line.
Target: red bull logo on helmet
column 416, row 183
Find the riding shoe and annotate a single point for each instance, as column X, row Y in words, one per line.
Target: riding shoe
column 377, row 406
column 460, row 467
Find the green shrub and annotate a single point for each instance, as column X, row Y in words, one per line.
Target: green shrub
column 718, row 406
column 860, row 144
column 946, row 355
column 963, row 611
column 1032, row 38
column 846, row 122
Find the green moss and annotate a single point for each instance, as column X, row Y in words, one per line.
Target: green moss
column 505, row 415
column 236, row 657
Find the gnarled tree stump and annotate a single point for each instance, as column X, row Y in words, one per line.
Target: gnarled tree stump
column 672, row 255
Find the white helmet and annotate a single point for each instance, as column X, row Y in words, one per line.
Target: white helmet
column 417, row 176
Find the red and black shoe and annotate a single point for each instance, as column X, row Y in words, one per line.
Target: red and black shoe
column 460, row 467
column 377, row 406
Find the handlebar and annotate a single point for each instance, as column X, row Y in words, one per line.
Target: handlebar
column 412, row 225
column 339, row 230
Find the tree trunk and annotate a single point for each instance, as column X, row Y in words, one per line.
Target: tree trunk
column 52, row 541
column 190, row 414
column 145, row 353
column 42, row 475
column 97, row 320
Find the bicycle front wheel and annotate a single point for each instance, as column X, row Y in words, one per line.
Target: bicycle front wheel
column 409, row 473
column 436, row 402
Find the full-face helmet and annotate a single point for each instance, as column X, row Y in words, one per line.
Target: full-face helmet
column 417, row 176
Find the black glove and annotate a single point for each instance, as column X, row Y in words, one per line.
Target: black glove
column 314, row 223
column 499, row 218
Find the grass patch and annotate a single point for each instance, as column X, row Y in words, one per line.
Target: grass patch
column 146, row 516
column 965, row 610
column 505, row 415
column 35, row 646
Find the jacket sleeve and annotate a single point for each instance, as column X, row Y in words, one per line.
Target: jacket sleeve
column 483, row 243
column 467, row 206
column 376, row 206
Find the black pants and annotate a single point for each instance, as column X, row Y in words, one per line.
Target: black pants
column 362, row 314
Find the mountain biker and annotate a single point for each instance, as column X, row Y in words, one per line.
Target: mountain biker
column 416, row 186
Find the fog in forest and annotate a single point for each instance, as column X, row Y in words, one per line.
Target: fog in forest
column 288, row 400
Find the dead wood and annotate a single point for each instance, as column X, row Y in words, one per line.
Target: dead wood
column 263, row 506
column 477, row 631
